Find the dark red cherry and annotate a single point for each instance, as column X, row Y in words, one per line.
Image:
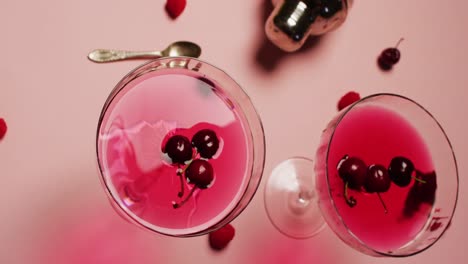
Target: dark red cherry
column 179, row 149
column 377, row 179
column 200, row 173
column 389, row 57
column 206, row 142
column 353, row 171
column 400, row 170
column 384, row 64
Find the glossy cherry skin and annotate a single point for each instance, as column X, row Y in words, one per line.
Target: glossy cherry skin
column 400, row 171
column 200, row 173
column 207, row 143
column 377, row 179
column 353, row 171
column 388, row 58
column 179, row 149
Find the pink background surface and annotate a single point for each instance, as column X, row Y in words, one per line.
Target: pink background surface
column 52, row 206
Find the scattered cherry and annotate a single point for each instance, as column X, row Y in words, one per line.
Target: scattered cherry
column 348, row 99
column 220, row 238
column 178, row 148
column 200, row 173
column 175, row 7
column 389, row 57
column 400, row 171
column 353, row 171
column 3, row 128
column 206, row 142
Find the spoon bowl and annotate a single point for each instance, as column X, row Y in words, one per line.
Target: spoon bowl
column 182, row 48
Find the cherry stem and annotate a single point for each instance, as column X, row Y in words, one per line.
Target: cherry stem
column 180, row 172
column 419, row 180
column 399, row 41
column 177, row 205
column 181, row 177
column 382, row 202
column 349, row 199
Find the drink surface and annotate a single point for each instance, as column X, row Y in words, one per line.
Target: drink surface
column 140, row 175
column 376, row 135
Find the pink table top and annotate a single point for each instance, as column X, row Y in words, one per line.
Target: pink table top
column 52, row 206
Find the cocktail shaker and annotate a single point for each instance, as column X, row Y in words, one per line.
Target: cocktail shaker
column 293, row 21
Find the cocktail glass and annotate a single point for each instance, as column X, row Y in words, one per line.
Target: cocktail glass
column 162, row 99
column 403, row 220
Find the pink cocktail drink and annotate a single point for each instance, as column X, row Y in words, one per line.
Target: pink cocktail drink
column 144, row 180
column 377, row 135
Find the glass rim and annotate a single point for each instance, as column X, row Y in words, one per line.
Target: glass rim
column 252, row 119
column 341, row 116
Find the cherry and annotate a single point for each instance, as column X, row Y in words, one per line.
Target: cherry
column 389, row 57
column 377, row 180
column 220, row 238
column 3, row 128
column 400, row 171
column 348, row 99
column 206, row 142
column 175, row 7
column 353, row 171
column 178, row 148
column 199, row 173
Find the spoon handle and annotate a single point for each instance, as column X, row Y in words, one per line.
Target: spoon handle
column 106, row 55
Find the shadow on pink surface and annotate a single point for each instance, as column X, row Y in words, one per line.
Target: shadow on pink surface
column 269, row 246
column 279, row 251
column 268, row 56
column 88, row 231
column 93, row 237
